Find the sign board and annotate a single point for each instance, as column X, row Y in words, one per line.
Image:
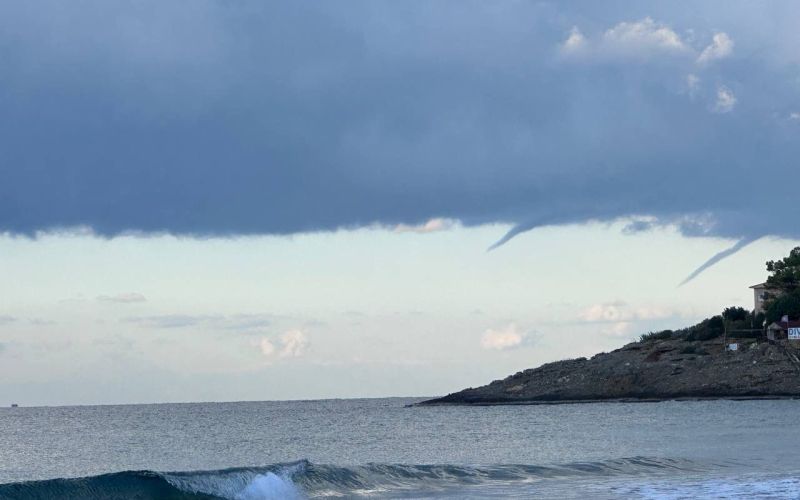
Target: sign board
column 735, row 347
column 794, row 333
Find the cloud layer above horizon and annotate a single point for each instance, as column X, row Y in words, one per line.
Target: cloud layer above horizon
column 221, row 118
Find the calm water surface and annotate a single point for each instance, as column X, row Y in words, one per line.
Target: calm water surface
column 380, row 448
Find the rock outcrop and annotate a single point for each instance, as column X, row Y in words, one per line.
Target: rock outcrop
column 653, row 370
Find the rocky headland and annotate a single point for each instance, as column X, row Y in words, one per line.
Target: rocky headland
column 651, row 370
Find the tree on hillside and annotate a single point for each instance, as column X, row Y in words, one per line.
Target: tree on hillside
column 785, row 305
column 785, row 272
column 784, row 280
column 735, row 313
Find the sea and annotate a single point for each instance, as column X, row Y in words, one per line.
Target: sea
column 382, row 448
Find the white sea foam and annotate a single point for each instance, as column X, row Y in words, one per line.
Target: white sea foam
column 239, row 485
column 269, row 486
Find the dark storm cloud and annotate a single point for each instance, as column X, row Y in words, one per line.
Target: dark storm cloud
column 221, row 118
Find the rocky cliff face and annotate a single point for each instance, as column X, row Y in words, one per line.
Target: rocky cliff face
column 667, row 369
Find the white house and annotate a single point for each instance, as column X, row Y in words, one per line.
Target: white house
column 760, row 293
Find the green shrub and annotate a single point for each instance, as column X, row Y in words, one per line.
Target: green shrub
column 736, row 318
column 653, row 336
column 707, row 329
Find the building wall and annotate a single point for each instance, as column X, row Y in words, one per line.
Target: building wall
column 758, row 299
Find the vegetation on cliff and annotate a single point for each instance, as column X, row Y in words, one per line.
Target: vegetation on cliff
column 736, row 320
column 784, row 297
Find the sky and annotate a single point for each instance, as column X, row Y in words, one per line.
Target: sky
column 246, row 200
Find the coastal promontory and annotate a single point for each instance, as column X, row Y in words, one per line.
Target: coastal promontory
column 651, row 370
column 737, row 354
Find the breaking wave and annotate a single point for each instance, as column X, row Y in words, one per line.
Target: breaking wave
column 304, row 479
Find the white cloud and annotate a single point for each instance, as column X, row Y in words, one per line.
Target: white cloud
column 642, row 37
column 431, row 226
column 503, row 339
column 645, row 38
column 291, row 344
column 574, row 42
column 266, row 346
column 7, row 319
column 295, row 343
column 614, row 311
column 619, row 312
column 618, row 319
column 794, row 116
column 726, row 100
column 721, row 47
column 122, row 298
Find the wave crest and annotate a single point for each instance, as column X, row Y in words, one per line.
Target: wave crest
column 304, row 479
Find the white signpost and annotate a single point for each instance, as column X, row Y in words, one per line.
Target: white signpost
column 794, row 333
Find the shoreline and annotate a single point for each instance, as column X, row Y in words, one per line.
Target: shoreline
column 610, row 400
